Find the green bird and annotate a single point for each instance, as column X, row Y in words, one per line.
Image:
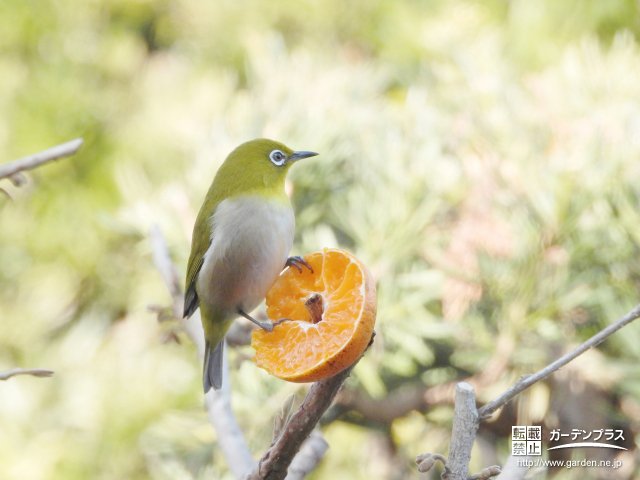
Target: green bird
column 241, row 242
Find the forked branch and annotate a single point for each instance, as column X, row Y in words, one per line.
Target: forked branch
column 464, row 425
column 218, row 403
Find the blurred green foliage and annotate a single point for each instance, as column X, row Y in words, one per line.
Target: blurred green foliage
column 480, row 157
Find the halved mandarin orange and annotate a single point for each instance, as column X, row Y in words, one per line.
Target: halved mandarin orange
column 331, row 313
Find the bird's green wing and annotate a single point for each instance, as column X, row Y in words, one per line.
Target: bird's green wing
column 199, row 246
column 191, row 296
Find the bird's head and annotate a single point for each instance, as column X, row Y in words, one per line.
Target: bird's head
column 259, row 165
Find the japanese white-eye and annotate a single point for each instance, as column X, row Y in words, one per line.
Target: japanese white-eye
column 241, row 242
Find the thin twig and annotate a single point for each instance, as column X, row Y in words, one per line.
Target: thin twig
column 32, row 161
column 465, row 426
column 35, row 372
column 529, row 380
column 167, row 269
column 276, row 461
column 230, row 437
column 463, row 433
column 218, row 403
column 307, row 459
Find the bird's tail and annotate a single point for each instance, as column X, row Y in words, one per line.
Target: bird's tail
column 212, row 371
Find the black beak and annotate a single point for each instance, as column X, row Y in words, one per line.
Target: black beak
column 295, row 156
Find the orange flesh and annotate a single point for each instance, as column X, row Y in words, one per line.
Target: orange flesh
column 302, row 351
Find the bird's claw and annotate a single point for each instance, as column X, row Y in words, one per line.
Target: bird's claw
column 296, row 262
column 268, row 326
column 278, row 322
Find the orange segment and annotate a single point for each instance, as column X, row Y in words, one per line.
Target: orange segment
column 332, row 313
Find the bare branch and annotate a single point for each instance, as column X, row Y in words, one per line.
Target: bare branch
column 35, row 372
column 231, row 439
column 165, row 266
column 529, row 380
column 467, row 417
column 32, row 161
column 162, row 261
column 307, row 459
column 276, row 461
column 463, row 433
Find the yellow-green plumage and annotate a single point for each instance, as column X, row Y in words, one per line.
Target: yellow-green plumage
column 241, row 240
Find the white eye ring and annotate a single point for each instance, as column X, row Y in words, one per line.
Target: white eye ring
column 277, row 158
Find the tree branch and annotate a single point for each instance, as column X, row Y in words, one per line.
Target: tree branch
column 529, row 380
column 276, row 461
column 307, row 459
column 32, row 161
column 230, row 437
column 218, row 403
column 463, row 433
column 36, row 372
column 467, row 417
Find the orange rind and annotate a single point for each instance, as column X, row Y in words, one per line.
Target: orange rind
column 330, row 314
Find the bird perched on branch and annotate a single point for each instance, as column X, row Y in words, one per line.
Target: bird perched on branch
column 241, row 242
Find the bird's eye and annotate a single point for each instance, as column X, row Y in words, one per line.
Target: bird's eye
column 277, row 157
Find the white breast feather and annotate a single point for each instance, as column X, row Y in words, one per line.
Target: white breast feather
column 251, row 240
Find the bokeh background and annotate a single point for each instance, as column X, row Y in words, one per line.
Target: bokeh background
column 482, row 158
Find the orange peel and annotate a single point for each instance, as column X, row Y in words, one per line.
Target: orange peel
column 330, row 314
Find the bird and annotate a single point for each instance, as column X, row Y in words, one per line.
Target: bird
column 241, row 242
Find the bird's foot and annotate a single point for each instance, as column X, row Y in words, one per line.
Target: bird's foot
column 282, row 320
column 269, row 326
column 296, row 263
column 266, row 325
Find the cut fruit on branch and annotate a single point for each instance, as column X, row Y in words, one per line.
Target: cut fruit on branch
column 331, row 312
